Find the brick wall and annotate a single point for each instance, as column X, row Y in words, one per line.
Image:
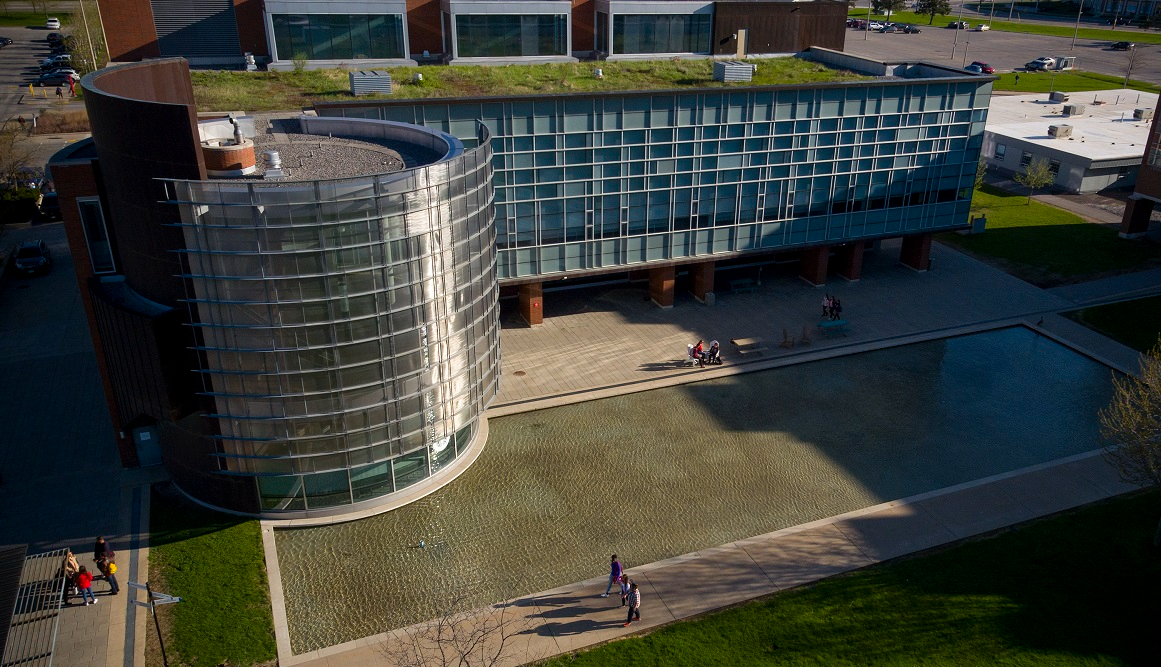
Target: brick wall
column 129, row 29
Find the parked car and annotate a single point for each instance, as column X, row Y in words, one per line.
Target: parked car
column 1122, row 46
column 958, row 25
column 54, row 38
column 33, row 257
column 874, row 25
column 4, row 41
column 974, row 69
column 986, row 68
column 1120, row 20
column 890, row 28
column 48, row 208
column 982, row 27
column 52, row 79
column 53, row 62
column 65, row 71
column 911, row 29
column 1041, row 63
column 52, row 23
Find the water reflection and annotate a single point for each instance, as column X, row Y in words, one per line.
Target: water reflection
column 665, row 472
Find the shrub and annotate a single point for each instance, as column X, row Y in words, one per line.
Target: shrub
column 62, row 121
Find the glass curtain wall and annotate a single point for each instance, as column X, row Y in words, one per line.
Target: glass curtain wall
column 657, row 33
column 510, row 36
column 350, row 329
column 338, row 36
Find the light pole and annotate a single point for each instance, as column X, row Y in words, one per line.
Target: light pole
column 1079, row 9
column 958, row 19
column 967, row 45
column 88, row 36
column 1132, row 58
column 867, row 28
column 992, row 14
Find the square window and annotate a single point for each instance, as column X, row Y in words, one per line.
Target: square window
column 1025, row 158
column 1001, row 151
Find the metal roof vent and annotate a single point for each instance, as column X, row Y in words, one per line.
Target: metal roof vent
column 273, row 164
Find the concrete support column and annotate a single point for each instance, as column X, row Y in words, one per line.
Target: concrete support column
column 703, row 280
column 531, row 303
column 1136, row 220
column 812, row 266
column 849, row 258
column 916, row 252
column 661, row 286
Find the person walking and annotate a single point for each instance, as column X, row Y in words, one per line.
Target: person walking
column 634, row 604
column 111, row 577
column 60, row 92
column 615, row 572
column 626, row 586
column 85, row 584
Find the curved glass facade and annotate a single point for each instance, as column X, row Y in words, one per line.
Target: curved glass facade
column 349, row 328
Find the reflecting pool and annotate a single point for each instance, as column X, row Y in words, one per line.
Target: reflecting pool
column 665, row 472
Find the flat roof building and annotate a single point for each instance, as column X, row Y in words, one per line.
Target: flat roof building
column 1147, row 193
column 1098, row 143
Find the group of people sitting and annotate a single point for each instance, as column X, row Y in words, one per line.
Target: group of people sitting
column 702, row 355
column 832, row 308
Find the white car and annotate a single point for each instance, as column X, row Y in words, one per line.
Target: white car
column 1041, row 63
column 875, row 25
column 982, row 27
column 52, row 23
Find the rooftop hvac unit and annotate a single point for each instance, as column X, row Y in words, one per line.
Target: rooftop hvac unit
column 1142, row 114
column 1073, row 109
column 370, row 81
column 732, row 70
column 1058, row 97
column 1060, row 131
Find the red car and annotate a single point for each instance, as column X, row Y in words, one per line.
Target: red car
column 985, row 68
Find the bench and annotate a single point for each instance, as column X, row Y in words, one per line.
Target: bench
column 747, row 345
column 743, row 285
column 833, row 327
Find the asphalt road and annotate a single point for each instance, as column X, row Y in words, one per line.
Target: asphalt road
column 1006, row 51
column 19, row 65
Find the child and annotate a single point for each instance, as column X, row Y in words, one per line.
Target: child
column 111, row 577
column 634, row 604
column 85, row 583
column 626, row 586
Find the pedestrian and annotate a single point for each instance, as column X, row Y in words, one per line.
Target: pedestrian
column 615, row 572
column 85, row 583
column 626, row 586
column 72, row 87
column 60, row 92
column 1017, row 78
column 20, row 121
column 111, row 577
column 826, row 305
column 101, row 550
column 634, row 605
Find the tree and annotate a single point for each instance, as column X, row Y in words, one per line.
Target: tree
column 15, row 152
column 932, row 8
column 86, row 37
column 480, row 638
column 1036, row 175
column 981, row 171
column 887, row 6
column 1132, row 425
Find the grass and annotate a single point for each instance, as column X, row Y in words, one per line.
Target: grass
column 1047, row 246
column 1068, row 82
column 1135, row 323
column 1082, row 589
column 1058, row 30
column 28, row 19
column 214, row 562
column 260, row 91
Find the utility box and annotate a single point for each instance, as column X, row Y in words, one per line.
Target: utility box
column 733, row 70
column 1142, row 114
column 1060, row 131
column 1073, row 109
column 1058, row 97
column 367, row 82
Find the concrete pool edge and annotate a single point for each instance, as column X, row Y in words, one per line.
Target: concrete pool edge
column 774, row 561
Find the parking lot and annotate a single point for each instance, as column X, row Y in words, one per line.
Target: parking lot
column 1006, row 51
column 19, row 66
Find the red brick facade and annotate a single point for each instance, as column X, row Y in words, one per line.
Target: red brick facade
column 129, row 30
column 251, row 27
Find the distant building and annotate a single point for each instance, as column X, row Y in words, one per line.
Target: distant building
column 1147, row 194
column 1098, row 142
column 327, row 33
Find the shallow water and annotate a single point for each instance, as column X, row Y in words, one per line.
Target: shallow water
column 665, row 472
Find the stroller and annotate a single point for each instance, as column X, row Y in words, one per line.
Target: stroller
column 690, row 356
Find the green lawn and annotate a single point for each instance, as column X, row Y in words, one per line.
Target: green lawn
column 258, row 91
column 1056, row 29
column 1068, row 82
column 1081, row 589
column 1134, row 323
column 214, row 562
column 1047, row 246
column 29, row 19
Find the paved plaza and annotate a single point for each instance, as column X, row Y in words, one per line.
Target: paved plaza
column 61, row 485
